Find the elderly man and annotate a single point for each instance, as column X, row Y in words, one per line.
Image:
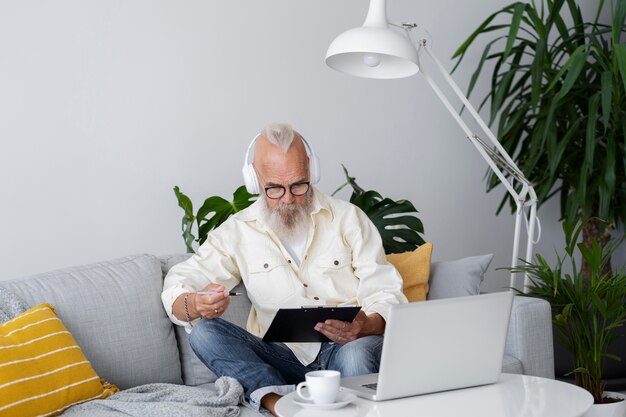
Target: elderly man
column 294, row 246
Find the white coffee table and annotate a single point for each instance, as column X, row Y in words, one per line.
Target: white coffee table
column 512, row 396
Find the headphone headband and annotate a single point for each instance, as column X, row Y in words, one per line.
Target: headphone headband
column 249, row 175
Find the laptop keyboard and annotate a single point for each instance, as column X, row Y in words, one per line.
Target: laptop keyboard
column 371, row 386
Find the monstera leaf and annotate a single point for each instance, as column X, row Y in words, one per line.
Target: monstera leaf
column 213, row 212
column 396, row 222
column 222, row 209
column 185, row 203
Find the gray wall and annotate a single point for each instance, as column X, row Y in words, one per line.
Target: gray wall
column 106, row 105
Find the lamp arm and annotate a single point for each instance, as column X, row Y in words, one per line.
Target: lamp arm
column 501, row 151
column 496, row 157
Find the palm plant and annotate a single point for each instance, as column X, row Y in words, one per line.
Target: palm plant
column 586, row 312
column 559, row 91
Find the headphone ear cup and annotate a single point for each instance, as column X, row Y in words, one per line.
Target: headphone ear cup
column 314, row 162
column 249, row 179
column 314, row 167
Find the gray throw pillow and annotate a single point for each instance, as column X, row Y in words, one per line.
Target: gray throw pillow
column 457, row 278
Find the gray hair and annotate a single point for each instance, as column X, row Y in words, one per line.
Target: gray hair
column 280, row 134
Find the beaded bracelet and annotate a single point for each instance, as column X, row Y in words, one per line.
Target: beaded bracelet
column 187, row 310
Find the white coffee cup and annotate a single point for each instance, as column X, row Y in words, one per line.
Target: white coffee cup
column 323, row 386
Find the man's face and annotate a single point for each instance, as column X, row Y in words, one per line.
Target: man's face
column 275, row 168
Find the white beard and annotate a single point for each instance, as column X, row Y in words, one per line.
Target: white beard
column 288, row 221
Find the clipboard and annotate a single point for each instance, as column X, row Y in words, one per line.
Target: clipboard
column 297, row 324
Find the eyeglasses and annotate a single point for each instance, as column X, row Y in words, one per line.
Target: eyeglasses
column 296, row 189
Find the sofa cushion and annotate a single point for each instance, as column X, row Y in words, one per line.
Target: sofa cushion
column 414, row 267
column 194, row 371
column 42, row 369
column 113, row 309
column 457, row 278
column 512, row 365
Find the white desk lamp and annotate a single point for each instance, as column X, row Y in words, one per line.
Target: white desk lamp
column 377, row 51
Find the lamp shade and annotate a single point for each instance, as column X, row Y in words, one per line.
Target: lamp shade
column 373, row 50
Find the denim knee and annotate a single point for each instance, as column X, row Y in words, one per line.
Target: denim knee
column 227, row 349
column 206, row 336
column 200, row 332
column 359, row 357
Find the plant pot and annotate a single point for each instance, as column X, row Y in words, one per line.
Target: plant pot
column 617, row 409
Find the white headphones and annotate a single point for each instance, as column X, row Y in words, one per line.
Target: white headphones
column 249, row 175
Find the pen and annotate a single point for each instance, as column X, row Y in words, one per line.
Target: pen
column 231, row 293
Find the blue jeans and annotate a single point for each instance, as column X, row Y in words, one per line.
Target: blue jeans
column 261, row 367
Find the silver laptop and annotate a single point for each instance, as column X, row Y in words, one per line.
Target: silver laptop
column 439, row 345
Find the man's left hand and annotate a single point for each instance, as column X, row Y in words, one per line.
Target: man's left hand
column 343, row 332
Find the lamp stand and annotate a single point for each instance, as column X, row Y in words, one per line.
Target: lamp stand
column 494, row 154
column 374, row 50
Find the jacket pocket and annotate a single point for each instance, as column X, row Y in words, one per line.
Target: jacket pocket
column 335, row 273
column 271, row 281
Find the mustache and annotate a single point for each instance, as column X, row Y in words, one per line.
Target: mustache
column 290, row 213
column 287, row 208
column 287, row 217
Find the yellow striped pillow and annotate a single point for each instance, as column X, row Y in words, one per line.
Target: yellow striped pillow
column 42, row 369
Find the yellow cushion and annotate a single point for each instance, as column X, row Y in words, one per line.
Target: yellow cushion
column 42, row 369
column 414, row 267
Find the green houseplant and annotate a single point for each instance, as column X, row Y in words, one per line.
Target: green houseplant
column 558, row 88
column 213, row 212
column 586, row 312
column 399, row 228
column 396, row 222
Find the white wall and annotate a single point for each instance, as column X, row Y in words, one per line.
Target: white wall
column 106, row 105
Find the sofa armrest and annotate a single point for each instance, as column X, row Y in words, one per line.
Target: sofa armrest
column 529, row 337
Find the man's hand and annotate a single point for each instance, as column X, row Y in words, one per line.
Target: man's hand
column 210, row 306
column 343, row 332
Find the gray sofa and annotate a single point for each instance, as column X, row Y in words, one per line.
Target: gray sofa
column 113, row 309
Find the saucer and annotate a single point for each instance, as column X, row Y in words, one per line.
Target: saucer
column 343, row 399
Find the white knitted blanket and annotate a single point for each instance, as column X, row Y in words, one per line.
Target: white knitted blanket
column 10, row 305
column 167, row 400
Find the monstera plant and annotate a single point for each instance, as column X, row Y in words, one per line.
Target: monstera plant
column 213, row 212
column 396, row 222
column 399, row 228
